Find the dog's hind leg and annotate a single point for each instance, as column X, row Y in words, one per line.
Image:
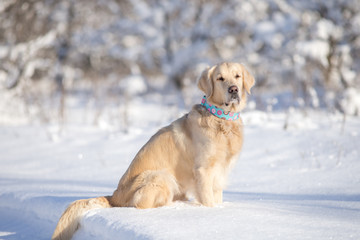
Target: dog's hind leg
column 154, row 189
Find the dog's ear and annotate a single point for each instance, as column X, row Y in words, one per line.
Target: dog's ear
column 249, row 80
column 205, row 82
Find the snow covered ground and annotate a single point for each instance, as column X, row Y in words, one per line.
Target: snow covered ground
column 298, row 183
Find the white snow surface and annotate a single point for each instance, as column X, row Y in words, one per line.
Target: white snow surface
column 298, row 183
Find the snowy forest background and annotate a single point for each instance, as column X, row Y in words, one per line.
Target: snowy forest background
column 103, row 55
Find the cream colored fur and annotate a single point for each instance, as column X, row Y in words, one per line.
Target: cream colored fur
column 190, row 157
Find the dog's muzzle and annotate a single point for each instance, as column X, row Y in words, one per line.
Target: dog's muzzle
column 234, row 93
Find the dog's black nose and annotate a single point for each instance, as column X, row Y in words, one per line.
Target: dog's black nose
column 233, row 89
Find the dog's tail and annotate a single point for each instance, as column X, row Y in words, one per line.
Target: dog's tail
column 70, row 220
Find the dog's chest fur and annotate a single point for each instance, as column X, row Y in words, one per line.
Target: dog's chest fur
column 220, row 138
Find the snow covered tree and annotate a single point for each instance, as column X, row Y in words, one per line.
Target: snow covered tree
column 302, row 53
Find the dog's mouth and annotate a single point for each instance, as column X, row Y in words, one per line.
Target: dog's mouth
column 234, row 100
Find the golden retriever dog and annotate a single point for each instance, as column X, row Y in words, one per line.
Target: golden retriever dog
column 190, row 157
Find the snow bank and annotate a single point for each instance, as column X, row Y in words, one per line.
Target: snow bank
column 249, row 218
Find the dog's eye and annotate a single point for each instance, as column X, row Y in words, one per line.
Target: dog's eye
column 237, row 76
column 221, row 79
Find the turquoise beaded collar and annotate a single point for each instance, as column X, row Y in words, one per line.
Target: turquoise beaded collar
column 218, row 112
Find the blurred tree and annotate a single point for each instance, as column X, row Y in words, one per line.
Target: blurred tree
column 303, row 53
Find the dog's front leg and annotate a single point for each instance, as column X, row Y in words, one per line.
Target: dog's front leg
column 218, row 185
column 204, row 186
column 218, row 196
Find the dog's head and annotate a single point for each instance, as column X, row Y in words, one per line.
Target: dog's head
column 225, row 85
